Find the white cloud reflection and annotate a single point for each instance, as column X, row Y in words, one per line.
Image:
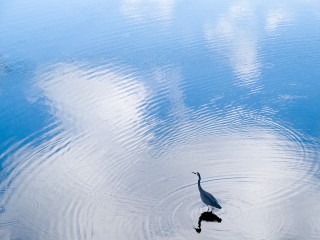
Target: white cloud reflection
column 140, row 10
column 275, row 18
column 237, row 41
column 99, row 93
column 235, row 35
column 82, row 165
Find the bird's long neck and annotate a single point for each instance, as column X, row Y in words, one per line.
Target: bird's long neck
column 199, row 186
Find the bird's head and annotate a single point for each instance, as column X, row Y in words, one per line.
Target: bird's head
column 196, row 173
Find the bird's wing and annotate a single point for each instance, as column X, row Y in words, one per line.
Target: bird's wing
column 210, row 197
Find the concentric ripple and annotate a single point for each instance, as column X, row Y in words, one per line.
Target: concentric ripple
column 254, row 181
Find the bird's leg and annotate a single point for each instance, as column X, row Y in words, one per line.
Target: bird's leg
column 208, row 208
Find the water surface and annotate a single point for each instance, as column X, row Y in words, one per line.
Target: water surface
column 106, row 107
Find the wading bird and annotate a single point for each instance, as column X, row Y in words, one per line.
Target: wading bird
column 206, row 197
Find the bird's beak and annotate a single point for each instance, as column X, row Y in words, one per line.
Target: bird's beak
column 194, row 173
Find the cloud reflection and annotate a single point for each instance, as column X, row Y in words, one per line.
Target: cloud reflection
column 239, row 40
column 80, row 164
column 141, row 10
column 275, row 18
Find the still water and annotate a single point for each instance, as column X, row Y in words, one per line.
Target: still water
column 106, row 107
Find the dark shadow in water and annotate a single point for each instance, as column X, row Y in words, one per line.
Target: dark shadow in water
column 207, row 217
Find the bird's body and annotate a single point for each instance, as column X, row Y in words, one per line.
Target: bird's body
column 207, row 198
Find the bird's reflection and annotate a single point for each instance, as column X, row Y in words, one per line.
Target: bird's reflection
column 207, row 217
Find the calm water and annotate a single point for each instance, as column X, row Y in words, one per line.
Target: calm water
column 106, row 107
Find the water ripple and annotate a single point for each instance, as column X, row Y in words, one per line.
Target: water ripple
column 109, row 106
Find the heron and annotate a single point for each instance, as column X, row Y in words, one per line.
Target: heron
column 207, row 198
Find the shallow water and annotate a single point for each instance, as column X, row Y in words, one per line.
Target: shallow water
column 106, row 107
